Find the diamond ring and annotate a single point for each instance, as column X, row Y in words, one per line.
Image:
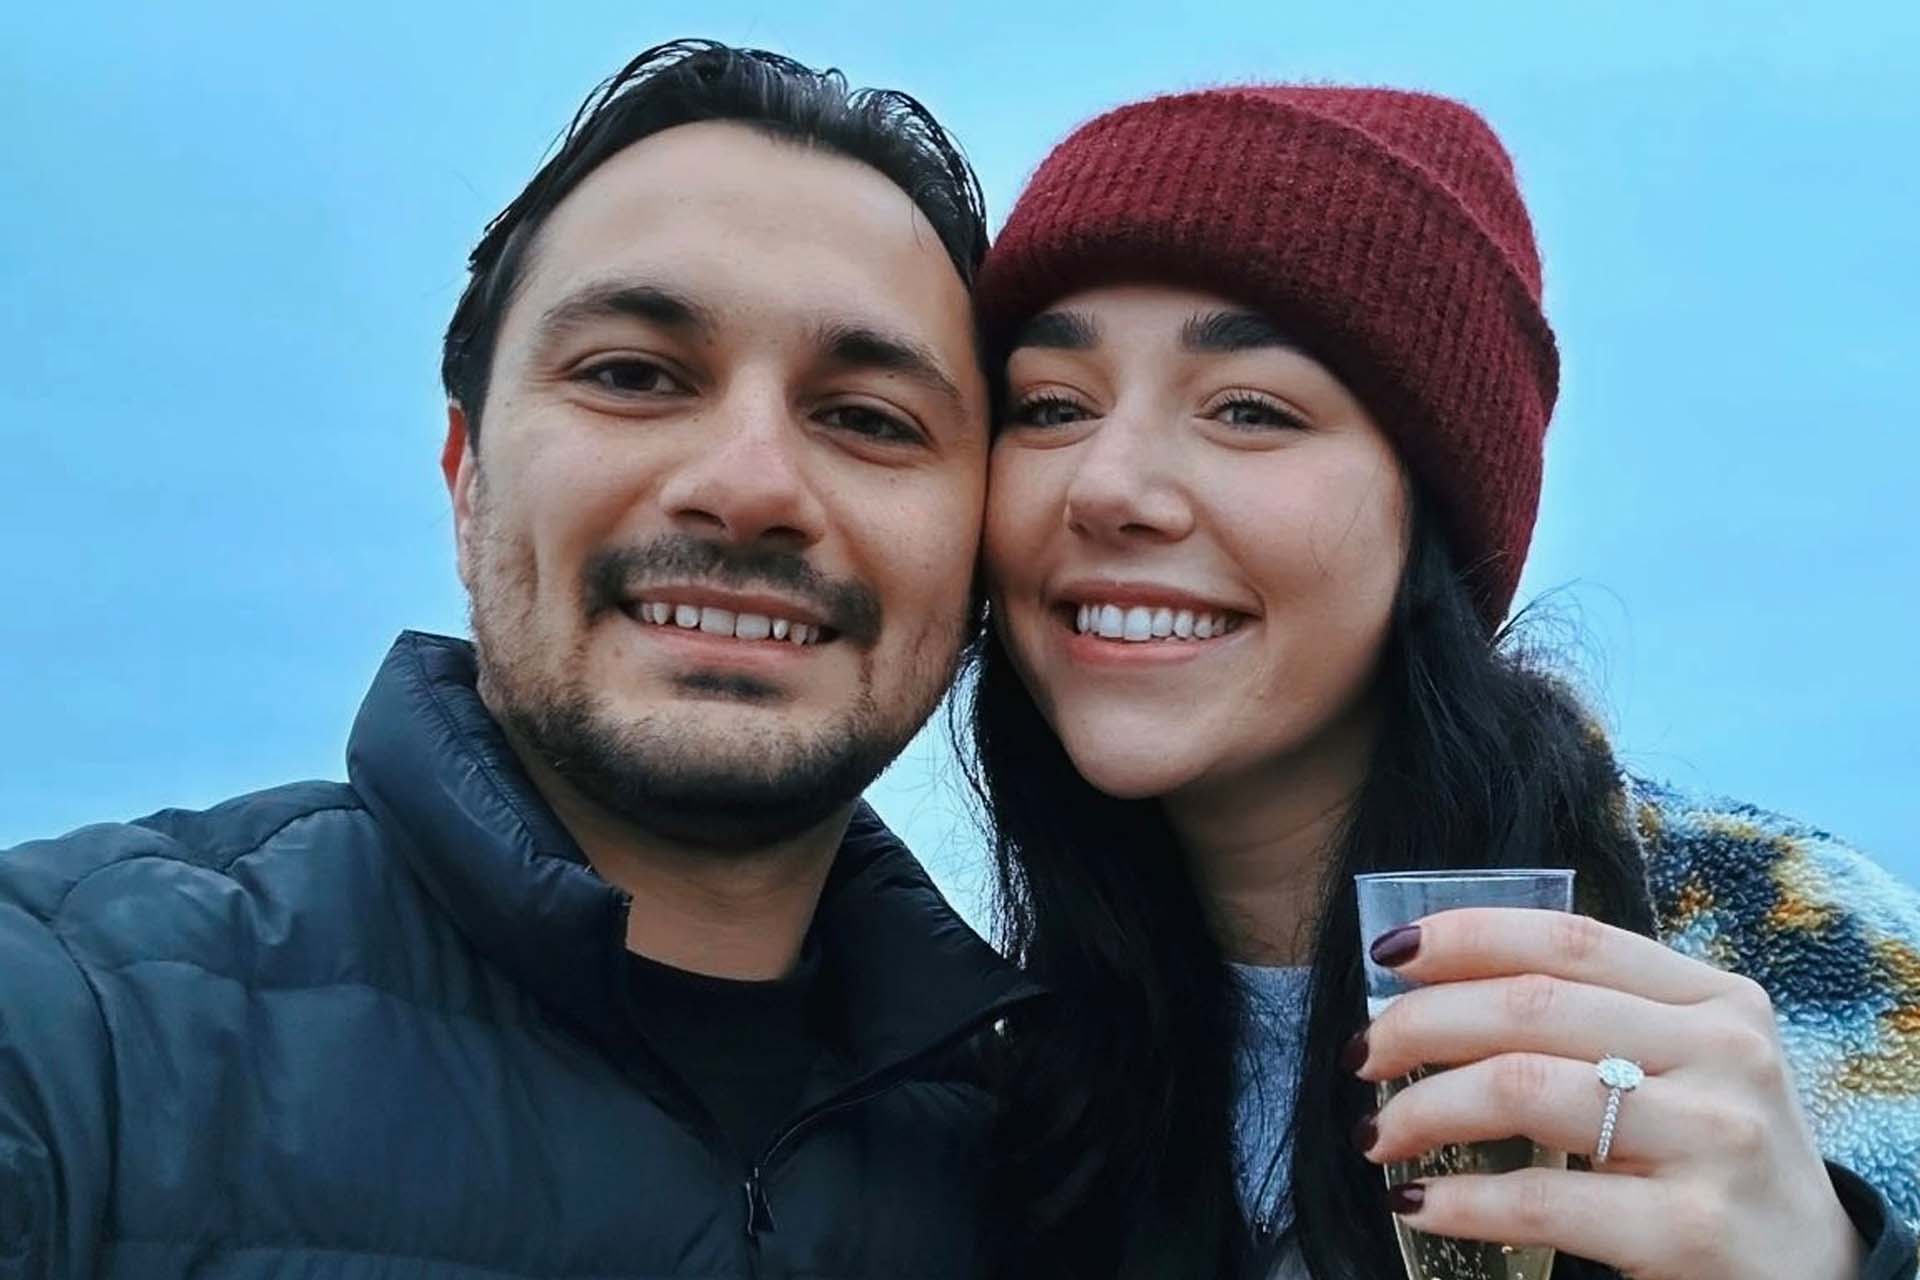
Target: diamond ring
column 1621, row 1076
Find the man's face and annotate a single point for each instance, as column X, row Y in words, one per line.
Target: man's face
column 718, row 530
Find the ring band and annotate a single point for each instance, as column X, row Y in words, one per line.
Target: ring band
column 1621, row 1076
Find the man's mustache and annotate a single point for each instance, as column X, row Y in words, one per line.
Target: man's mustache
column 614, row 576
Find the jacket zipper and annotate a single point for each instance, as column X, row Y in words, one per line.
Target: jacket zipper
column 759, row 1211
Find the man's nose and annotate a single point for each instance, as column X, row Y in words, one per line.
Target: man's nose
column 747, row 481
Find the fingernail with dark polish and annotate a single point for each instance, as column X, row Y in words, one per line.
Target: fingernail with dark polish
column 1406, row 1198
column 1354, row 1055
column 1396, row 946
column 1366, row 1133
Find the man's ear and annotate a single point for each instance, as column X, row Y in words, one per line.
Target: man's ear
column 460, row 465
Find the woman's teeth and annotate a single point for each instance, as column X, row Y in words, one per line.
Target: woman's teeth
column 1139, row 623
column 724, row 622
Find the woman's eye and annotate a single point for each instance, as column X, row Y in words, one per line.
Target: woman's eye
column 1254, row 413
column 632, row 377
column 868, row 422
column 1048, row 411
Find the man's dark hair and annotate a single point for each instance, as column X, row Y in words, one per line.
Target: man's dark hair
column 685, row 82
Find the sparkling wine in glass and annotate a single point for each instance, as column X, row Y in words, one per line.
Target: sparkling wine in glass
column 1388, row 900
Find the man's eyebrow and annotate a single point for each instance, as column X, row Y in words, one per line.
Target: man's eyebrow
column 1225, row 332
column 1059, row 331
column 862, row 346
column 653, row 303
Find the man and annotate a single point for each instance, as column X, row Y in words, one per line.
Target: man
column 595, row 966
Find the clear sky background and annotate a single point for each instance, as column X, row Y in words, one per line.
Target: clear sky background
column 230, row 236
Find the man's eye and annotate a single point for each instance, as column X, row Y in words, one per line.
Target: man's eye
column 1047, row 411
column 632, row 377
column 872, row 423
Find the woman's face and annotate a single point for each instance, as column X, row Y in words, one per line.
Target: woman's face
column 1194, row 537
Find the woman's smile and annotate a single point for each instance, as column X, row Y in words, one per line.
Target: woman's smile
column 1135, row 625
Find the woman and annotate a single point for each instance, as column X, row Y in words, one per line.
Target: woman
column 1277, row 381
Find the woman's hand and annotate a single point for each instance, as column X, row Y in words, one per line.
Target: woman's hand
column 1713, row 1173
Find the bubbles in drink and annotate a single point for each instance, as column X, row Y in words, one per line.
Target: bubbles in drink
column 1431, row 1257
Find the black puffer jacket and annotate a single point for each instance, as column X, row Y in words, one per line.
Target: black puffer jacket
column 382, row 1030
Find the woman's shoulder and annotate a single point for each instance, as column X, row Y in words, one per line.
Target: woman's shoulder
column 1832, row 936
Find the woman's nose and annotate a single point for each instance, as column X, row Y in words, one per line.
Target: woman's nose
column 1127, row 486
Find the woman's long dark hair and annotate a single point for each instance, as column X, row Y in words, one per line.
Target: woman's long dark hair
column 1116, row 1130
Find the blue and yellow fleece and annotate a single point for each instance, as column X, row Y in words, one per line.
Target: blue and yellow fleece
column 1833, row 938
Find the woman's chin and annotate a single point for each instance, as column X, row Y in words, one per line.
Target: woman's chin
column 1144, row 772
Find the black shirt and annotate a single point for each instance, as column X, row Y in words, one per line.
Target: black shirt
column 747, row 1049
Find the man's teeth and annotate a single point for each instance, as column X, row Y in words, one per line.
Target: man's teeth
column 725, row 622
column 1139, row 623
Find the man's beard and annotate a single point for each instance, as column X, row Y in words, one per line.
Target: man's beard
column 727, row 801
column 658, row 772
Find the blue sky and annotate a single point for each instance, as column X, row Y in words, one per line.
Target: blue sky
column 229, row 239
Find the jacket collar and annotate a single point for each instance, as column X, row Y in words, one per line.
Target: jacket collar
column 439, row 776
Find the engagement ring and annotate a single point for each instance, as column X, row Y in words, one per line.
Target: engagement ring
column 1621, row 1077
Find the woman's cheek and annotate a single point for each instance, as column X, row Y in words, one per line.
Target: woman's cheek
column 1019, row 514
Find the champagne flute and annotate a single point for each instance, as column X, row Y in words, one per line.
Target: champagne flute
column 1388, row 900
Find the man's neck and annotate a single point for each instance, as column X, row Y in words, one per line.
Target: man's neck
column 1258, row 844
column 734, row 914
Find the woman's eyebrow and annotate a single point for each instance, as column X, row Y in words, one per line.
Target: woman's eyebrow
column 1224, row 332
column 1059, row 331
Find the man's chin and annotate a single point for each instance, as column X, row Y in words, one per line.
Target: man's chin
column 730, row 733
column 717, row 776
column 727, row 803
column 727, row 817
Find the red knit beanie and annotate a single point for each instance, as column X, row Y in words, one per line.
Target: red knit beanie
column 1381, row 229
